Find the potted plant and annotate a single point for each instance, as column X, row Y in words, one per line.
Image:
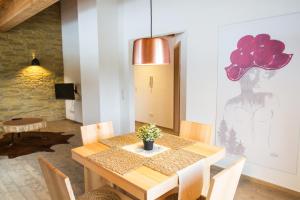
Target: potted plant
column 148, row 133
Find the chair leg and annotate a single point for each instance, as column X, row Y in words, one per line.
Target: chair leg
column 92, row 180
column 206, row 180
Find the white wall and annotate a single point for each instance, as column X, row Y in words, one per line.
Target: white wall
column 69, row 20
column 200, row 20
column 89, row 60
column 110, row 94
column 98, row 39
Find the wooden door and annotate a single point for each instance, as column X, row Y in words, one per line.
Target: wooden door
column 176, row 120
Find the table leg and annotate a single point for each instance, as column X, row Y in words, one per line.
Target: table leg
column 92, row 180
column 12, row 141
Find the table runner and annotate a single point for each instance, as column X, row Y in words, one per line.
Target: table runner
column 121, row 140
column 167, row 140
column 118, row 160
column 167, row 162
column 171, row 161
column 173, row 142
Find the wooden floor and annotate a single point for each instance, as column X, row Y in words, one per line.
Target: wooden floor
column 21, row 178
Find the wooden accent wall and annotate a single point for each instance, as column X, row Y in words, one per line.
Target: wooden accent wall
column 17, row 11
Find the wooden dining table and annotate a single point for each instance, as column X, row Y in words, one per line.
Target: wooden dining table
column 143, row 182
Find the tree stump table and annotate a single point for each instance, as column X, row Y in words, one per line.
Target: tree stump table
column 22, row 125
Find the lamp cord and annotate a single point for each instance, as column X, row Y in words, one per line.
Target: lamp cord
column 151, row 17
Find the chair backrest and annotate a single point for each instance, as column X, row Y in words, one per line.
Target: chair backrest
column 191, row 181
column 224, row 184
column 196, row 131
column 92, row 133
column 58, row 184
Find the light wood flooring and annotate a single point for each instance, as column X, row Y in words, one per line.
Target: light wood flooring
column 21, row 179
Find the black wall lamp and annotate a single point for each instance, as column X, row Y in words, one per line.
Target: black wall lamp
column 35, row 61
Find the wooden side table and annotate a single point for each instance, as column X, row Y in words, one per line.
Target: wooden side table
column 23, row 125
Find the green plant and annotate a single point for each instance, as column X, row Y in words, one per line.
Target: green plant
column 148, row 132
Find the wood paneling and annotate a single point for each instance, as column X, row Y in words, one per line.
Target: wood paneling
column 17, row 11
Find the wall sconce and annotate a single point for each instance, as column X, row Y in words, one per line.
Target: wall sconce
column 35, row 61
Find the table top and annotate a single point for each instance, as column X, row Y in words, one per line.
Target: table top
column 22, row 121
column 23, row 125
column 143, row 182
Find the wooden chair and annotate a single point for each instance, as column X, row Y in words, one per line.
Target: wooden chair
column 223, row 185
column 196, row 131
column 202, row 133
column 190, row 181
column 60, row 188
column 92, row 134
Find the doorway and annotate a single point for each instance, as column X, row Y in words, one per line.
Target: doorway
column 159, row 90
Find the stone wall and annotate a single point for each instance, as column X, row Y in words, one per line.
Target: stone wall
column 29, row 90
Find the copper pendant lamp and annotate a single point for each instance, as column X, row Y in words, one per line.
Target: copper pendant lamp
column 151, row 51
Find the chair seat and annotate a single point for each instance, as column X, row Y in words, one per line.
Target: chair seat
column 103, row 193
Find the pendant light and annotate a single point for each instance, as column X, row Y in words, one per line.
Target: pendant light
column 151, row 51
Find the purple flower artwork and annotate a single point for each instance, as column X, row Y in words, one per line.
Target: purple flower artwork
column 259, row 51
column 257, row 93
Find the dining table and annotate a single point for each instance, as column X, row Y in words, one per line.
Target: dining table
column 146, row 177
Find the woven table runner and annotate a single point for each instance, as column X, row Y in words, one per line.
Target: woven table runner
column 118, row 160
column 171, row 161
column 121, row 140
column 173, row 142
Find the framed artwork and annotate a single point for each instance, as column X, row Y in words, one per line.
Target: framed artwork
column 258, row 101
